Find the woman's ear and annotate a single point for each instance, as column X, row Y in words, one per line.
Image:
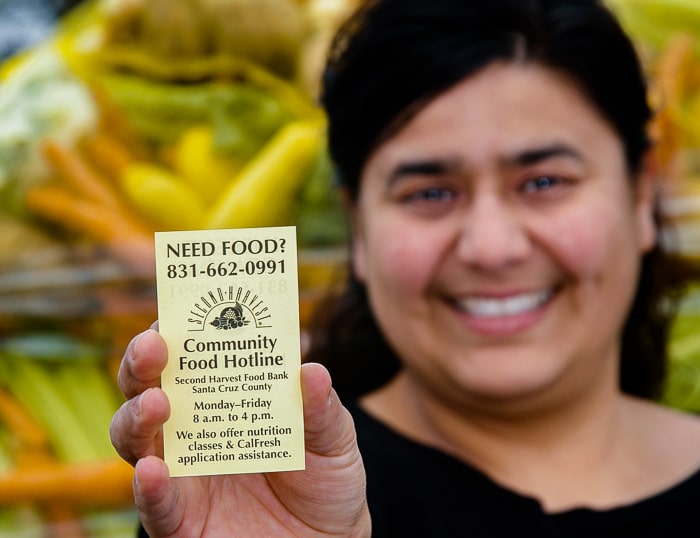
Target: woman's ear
column 646, row 197
column 357, row 245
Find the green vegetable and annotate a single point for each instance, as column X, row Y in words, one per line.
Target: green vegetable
column 682, row 385
column 61, row 382
column 21, row 522
column 652, row 22
column 320, row 218
column 243, row 116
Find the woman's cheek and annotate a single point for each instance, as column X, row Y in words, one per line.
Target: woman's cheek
column 584, row 242
column 578, row 241
column 404, row 257
column 402, row 263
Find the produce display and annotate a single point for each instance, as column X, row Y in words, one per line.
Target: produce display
column 135, row 117
column 147, row 115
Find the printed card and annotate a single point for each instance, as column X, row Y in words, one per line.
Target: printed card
column 228, row 308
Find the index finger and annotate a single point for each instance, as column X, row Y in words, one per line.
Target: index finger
column 143, row 362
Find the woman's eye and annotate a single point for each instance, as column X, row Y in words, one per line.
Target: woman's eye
column 541, row 183
column 432, row 194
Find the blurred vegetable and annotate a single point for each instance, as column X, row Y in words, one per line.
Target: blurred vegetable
column 269, row 32
column 78, row 214
column 21, row 522
column 76, row 173
column 652, row 22
column 263, row 193
column 118, row 132
column 672, row 85
column 104, row 483
column 164, row 198
column 202, row 164
column 320, row 218
column 51, row 374
column 38, row 98
column 107, row 153
column 666, row 33
column 28, row 448
column 243, row 115
column 682, row 388
column 55, row 388
column 25, row 430
column 119, row 231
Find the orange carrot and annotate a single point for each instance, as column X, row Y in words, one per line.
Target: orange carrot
column 104, row 483
column 114, row 121
column 21, row 423
column 82, row 215
column 107, row 153
column 127, row 237
column 74, row 170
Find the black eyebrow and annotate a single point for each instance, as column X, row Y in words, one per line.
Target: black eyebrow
column 444, row 166
column 533, row 156
column 436, row 167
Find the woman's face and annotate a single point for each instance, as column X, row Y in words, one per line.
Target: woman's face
column 499, row 237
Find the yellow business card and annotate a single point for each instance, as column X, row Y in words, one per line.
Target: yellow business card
column 228, row 308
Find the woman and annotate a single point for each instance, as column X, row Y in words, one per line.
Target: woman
column 502, row 335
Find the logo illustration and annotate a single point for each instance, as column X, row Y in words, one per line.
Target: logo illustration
column 231, row 317
column 229, row 307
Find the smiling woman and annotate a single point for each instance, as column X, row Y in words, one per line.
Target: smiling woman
column 507, row 289
column 502, row 334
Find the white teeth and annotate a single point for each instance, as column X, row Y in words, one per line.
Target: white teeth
column 507, row 306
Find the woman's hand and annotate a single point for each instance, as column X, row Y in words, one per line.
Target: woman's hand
column 326, row 499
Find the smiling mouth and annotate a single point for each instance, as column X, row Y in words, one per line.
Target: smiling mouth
column 491, row 307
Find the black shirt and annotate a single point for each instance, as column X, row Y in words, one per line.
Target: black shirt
column 415, row 490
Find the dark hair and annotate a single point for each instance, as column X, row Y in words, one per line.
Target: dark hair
column 393, row 56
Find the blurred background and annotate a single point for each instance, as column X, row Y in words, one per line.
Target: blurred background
column 119, row 118
column 24, row 23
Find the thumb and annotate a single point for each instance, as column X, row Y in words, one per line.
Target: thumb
column 330, row 493
column 329, row 429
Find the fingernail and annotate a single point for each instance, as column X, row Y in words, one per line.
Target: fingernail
column 139, row 402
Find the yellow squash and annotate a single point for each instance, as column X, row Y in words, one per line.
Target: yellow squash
column 264, row 192
column 162, row 197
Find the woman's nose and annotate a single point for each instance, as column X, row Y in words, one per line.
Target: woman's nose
column 492, row 235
